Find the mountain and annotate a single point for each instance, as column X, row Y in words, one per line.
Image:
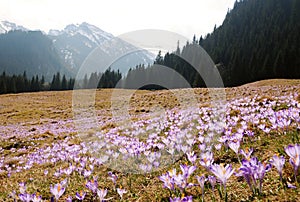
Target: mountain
column 29, row 51
column 6, row 26
column 76, row 42
column 65, row 51
column 257, row 40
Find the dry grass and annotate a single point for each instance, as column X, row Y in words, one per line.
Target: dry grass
column 35, row 109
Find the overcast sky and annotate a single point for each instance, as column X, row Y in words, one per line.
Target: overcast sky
column 186, row 17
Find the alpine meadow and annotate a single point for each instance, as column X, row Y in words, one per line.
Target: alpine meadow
column 89, row 116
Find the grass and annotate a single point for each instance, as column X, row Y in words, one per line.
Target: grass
column 32, row 110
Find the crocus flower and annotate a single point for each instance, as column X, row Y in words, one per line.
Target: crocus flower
column 22, row 187
column 262, row 168
column 168, row 181
column 192, row 157
column 201, row 180
column 222, row 173
column 206, row 159
column 247, row 153
column 278, row 162
column 80, row 196
column 172, row 172
column 36, row 198
column 101, row 194
column 69, row 170
column 25, row 197
column 121, row 192
column 253, row 170
column 112, row 177
column 234, row 145
column 212, row 180
column 87, row 173
column 181, row 181
column 294, row 154
column 187, row 170
column 92, row 185
column 57, row 190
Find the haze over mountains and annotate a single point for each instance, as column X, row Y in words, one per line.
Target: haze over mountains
column 62, row 50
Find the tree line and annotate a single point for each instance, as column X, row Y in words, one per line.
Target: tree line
column 21, row 83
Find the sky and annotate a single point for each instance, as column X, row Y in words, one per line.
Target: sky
column 186, row 17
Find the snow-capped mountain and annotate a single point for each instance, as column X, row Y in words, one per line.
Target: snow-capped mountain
column 76, row 42
column 91, row 32
column 6, row 26
column 73, row 45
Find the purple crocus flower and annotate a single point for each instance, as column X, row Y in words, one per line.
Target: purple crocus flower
column 168, row 181
column 36, row 198
column 80, row 196
column 201, row 180
column 22, row 187
column 246, row 172
column 278, row 162
column 192, row 157
column 57, row 190
column 25, row 197
column 87, row 173
column 253, row 170
column 261, row 171
column 187, row 170
column 294, row 154
column 206, row 159
column 234, row 145
column 69, row 170
column 113, row 178
column 247, row 153
column 181, row 181
column 101, row 194
column 212, row 180
column 121, row 192
column 92, row 185
column 222, row 173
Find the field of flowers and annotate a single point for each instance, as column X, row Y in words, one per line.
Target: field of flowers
column 249, row 152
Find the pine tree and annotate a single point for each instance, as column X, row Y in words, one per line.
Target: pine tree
column 64, row 84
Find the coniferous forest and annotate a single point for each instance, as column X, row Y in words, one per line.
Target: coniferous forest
column 257, row 40
column 21, row 83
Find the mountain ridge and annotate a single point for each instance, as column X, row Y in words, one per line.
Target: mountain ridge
column 6, row 26
column 74, row 44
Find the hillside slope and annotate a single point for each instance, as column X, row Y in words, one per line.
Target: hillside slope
column 257, row 40
column 29, row 51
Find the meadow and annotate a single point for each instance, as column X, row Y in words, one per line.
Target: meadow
column 249, row 152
